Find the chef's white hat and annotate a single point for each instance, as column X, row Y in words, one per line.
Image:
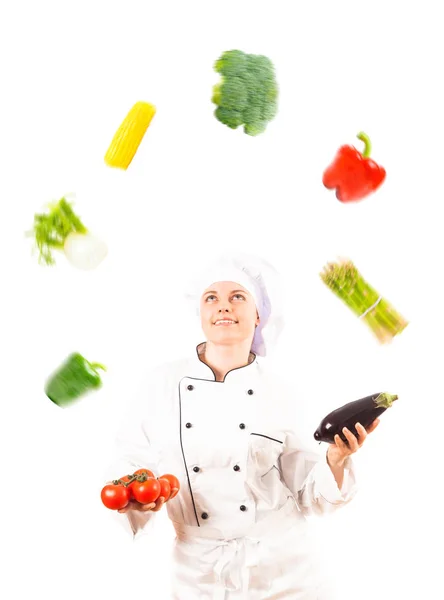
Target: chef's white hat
column 258, row 277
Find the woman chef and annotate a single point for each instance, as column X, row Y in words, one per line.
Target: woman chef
column 231, row 431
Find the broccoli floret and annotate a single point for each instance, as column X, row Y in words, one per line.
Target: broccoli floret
column 247, row 92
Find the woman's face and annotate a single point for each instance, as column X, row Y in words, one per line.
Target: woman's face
column 228, row 313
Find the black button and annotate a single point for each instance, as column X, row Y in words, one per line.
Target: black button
column 196, row 469
column 204, row 515
column 188, row 425
column 242, row 426
column 190, row 387
column 242, row 507
column 236, row 467
column 250, row 392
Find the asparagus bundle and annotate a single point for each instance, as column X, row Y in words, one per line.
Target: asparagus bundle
column 344, row 279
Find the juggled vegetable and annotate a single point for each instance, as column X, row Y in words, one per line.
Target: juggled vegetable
column 62, row 230
column 363, row 411
column 73, row 379
column 129, row 135
column 346, row 282
column 84, row 250
column 247, row 92
column 353, row 174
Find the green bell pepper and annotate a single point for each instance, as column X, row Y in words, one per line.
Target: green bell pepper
column 74, row 378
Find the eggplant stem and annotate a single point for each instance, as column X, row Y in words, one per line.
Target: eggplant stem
column 385, row 400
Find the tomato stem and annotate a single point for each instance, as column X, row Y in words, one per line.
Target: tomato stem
column 141, row 478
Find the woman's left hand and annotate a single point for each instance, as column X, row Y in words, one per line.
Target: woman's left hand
column 338, row 452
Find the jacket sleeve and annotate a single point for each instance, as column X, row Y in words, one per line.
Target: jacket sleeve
column 133, row 449
column 307, row 474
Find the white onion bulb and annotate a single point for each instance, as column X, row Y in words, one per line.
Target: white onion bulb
column 84, row 250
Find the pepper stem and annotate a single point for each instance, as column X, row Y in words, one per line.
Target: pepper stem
column 368, row 147
column 96, row 366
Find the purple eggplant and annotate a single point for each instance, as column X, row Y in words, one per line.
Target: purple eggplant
column 364, row 411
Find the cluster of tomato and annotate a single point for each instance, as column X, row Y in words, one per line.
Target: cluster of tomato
column 141, row 486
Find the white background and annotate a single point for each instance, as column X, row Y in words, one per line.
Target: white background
column 70, row 72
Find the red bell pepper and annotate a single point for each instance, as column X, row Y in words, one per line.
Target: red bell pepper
column 354, row 175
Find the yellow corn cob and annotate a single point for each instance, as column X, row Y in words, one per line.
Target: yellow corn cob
column 127, row 139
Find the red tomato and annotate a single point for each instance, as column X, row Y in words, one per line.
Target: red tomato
column 141, row 471
column 131, row 490
column 174, row 483
column 165, row 488
column 138, row 472
column 146, row 491
column 115, row 496
column 125, row 479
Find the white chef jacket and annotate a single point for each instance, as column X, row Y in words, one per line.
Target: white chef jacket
column 249, row 476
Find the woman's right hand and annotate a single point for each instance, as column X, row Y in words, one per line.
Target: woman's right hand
column 152, row 506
